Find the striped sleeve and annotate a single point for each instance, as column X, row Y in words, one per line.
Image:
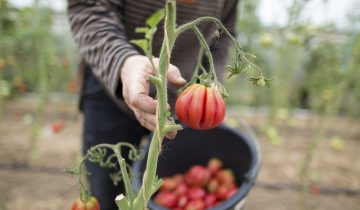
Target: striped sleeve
column 99, row 31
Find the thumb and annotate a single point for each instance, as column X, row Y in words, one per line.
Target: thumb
column 175, row 77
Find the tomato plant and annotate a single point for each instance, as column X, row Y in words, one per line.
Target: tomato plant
column 90, row 204
column 200, row 107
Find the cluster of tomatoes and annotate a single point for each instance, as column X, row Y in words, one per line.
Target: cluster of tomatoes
column 201, row 187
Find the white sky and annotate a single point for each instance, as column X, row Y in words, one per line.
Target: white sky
column 273, row 12
column 317, row 11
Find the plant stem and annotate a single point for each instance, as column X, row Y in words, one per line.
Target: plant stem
column 208, row 52
column 149, row 185
column 193, row 23
column 198, row 65
column 128, row 187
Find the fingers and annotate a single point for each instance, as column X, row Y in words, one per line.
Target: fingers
column 145, row 119
column 175, row 77
column 149, row 122
column 143, row 102
column 136, row 87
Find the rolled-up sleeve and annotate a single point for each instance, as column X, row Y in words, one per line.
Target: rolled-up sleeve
column 99, row 32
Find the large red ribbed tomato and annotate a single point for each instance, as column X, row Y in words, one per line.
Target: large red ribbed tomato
column 200, row 107
column 91, row 204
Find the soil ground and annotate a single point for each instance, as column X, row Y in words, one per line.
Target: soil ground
column 42, row 184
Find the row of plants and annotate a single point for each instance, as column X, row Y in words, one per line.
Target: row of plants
column 306, row 61
column 34, row 56
column 315, row 68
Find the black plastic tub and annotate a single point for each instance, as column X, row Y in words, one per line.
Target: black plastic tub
column 237, row 149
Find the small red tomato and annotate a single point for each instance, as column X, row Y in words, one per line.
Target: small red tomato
column 181, row 188
column 212, row 185
column 72, row 86
column 169, row 184
column 166, row 199
column 314, row 189
column 231, row 193
column 210, row 200
column 178, row 178
column 226, row 176
column 57, row 126
column 196, row 193
column 197, row 204
column 198, row 176
column 222, row 192
column 91, row 204
column 182, row 201
column 200, row 107
column 214, row 165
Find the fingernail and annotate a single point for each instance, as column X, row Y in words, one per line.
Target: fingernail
column 182, row 80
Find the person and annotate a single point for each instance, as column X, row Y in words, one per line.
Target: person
column 116, row 98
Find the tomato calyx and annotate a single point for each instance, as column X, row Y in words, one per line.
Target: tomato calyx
column 260, row 81
column 85, row 196
column 238, row 66
column 204, row 79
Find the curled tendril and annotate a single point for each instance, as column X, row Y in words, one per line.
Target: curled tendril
column 135, row 155
column 97, row 155
column 108, row 163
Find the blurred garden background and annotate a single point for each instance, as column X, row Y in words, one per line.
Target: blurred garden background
column 307, row 122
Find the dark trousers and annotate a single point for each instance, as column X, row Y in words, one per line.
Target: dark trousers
column 104, row 122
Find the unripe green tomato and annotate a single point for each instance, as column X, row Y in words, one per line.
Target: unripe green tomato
column 266, row 40
column 310, row 30
column 261, row 82
column 294, row 39
column 4, row 88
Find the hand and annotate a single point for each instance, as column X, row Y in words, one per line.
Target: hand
column 136, row 87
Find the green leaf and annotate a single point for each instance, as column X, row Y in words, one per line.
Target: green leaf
column 142, row 30
column 155, row 18
column 142, row 43
column 150, row 33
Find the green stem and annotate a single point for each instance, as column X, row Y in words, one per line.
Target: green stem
column 117, row 151
column 122, row 202
column 193, row 23
column 149, row 185
column 198, row 65
column 128, row 187
column 169, row 128
column 208, row 52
